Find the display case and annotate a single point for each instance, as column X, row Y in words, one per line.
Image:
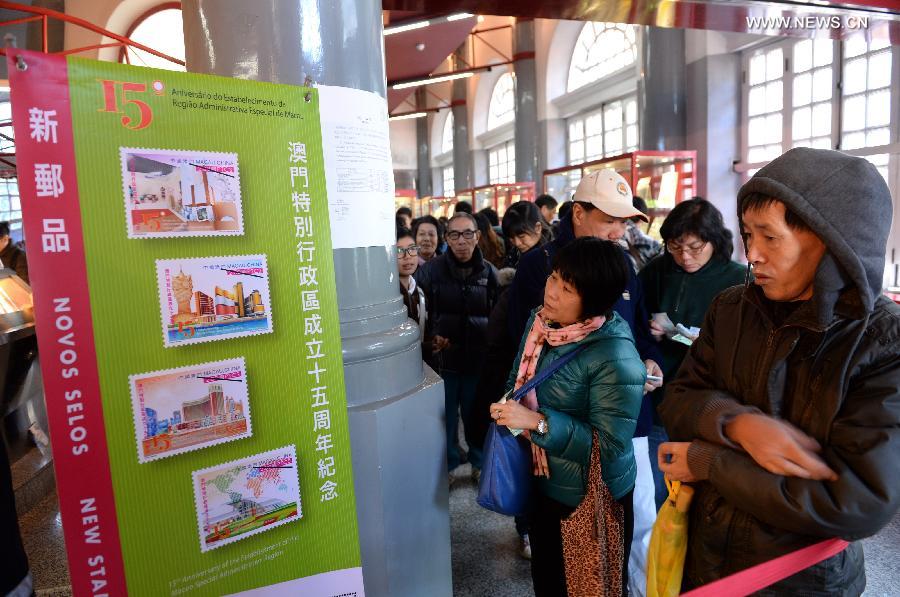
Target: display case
column 661, row 178
column 467, row 195
column 498, row 196
column 405, row 198
column 440, row 207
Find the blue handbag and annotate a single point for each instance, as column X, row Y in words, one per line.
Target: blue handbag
column 506, row 474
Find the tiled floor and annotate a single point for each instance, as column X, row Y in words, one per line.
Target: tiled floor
column 43, row 538
column 484, row 547
column 484, row 544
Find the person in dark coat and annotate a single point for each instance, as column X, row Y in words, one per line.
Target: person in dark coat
column 681, row 283
column 786, row 411
column 413, row 296
column 524, row 227
column 460, row 290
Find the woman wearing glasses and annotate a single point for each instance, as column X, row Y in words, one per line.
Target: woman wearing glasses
column 407, row 263
column 681, row 283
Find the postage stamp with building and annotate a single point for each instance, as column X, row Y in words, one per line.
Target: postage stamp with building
column 247, row 496
column 213, row 298
column 188, row 408
column 170, row 193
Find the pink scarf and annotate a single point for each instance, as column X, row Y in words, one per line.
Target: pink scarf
column 540, row 334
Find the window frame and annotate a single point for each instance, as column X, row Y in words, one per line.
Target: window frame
column 510, row 164
column 510, row 76
column 163, row 6
column 628, row 67
column 600, row 110
column 15, row 223
column 451, row 192
column 744, row 167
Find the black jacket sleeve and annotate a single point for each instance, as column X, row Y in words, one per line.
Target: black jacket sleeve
column 527, row 290
column 646, row 345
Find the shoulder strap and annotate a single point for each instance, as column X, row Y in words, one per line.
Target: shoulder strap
column 543, row 374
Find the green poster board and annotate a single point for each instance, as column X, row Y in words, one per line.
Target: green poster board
column 219, row 386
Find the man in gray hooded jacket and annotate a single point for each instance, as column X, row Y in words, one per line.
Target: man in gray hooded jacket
column 786, row 411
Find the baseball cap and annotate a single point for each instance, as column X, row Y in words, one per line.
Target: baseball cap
column 609, row 192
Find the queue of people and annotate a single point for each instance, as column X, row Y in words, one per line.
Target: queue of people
column 772, row 388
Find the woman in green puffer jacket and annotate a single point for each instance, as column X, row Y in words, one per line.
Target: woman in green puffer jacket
column 599, row 390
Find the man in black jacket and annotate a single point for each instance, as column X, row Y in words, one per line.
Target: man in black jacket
column 786, row 411
column 460, row 291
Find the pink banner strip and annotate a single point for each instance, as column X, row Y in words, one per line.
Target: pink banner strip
column 45, row 158
column 757, row 578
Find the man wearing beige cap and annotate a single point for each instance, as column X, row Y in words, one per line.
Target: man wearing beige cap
column 601, row 209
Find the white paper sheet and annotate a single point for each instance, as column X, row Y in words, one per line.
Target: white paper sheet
column 359, row 172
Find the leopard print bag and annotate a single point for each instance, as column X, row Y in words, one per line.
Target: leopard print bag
column 593, row 540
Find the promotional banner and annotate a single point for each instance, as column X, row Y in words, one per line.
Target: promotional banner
column 180, row 253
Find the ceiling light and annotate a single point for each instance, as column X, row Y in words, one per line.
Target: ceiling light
column 430, row 80
column 459, row 16
column 407, row 27
column 409, row 116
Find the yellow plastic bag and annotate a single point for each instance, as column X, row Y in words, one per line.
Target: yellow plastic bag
column 668, row 543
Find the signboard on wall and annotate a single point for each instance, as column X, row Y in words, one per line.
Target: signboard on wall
column 181, row 260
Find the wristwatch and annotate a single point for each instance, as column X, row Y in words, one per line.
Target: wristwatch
column 542, row 426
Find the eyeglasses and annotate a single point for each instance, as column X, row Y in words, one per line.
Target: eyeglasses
column 692, row 250
column 411, row 250
column 466, row 234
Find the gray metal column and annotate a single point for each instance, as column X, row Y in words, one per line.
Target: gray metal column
column 526, row 101
column 714, row 125
column 462, row 169
column 424, row 187
column 663, row 125
column 396, row 406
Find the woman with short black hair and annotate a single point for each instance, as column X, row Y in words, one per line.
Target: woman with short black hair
column 598, row 392
column 681, row 283
column 524, row 231
column 428, row 233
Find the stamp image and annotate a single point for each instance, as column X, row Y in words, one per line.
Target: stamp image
column 213, row 298
column 247, row 496
column 172, row 193
column 185, row 409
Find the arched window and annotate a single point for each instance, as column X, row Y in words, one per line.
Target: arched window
column 447, row 135
column 161, row 29
column 503, row 102
column 601, row 49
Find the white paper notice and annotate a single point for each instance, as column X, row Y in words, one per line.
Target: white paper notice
column 359, row 172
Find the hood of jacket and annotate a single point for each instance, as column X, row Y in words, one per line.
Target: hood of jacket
column 846, row 202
